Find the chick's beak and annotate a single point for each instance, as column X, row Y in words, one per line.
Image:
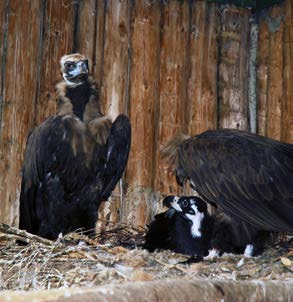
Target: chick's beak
column 167, row 202
column 172, row 202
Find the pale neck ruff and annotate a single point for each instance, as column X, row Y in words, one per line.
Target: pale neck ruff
column 72, row 84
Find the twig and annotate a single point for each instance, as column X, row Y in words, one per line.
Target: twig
column 5, row 228
column 13, row 237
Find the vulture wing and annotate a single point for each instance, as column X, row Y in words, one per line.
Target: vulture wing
column 249, row 176
column 61, row 190
column 118, row 146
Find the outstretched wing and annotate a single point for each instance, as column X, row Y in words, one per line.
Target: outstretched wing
column 118, row 146
column 58, row 163
column 249, row 176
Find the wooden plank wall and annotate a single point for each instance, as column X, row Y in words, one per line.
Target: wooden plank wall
column 36, row 34
column 274, row 73
column 19, row 92
column 171, row 66
column 233, row 69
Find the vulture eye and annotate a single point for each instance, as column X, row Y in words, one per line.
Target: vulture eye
column 68, row 65
column 184, row 203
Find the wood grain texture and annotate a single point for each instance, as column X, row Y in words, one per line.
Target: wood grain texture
column 275, row 72
column 3, row 52
column 115, row 80
column 172, row 66
column 262, row 75
column 116, row 59
column 233, row 69
column 287, row 108
column 144, row 99
column 57, row 40
column 19, row 93
column 98, row 58
column 203, row 68
column 173, row 86
column 163, row 290
column 86, row 29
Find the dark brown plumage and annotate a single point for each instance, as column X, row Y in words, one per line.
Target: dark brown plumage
column 188, row 228
column 73, row 160
column 250, row 177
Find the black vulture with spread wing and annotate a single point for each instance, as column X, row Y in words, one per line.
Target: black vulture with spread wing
column 248, row 176
column 73, row 160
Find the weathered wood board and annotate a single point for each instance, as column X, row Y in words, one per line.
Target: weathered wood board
column 233, row 69
column 171, row 66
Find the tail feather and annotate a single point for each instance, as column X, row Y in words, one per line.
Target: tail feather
column 170, row 152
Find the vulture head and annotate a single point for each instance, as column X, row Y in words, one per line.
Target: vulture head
column 74, row 69
column 191, row 208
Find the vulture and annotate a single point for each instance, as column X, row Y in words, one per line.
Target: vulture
column 247, row 176
column 74, row 159
column 188, row 228
column 185, row 228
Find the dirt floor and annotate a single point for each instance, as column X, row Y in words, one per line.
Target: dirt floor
column 116, row 256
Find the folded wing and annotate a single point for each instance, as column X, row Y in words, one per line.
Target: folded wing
column 249, row 176
column 66, row 174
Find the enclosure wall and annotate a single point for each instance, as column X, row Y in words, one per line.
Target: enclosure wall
column 171, row 66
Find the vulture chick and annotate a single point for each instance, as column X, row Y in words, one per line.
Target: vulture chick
column 185, row 228
column 73, row 160
column 188, row 228
column 248, row 176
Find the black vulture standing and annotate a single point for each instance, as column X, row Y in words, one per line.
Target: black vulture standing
column 73, row 160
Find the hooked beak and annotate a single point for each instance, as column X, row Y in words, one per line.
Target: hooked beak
column 83, row 68
column 181, row 177
column 172, row 202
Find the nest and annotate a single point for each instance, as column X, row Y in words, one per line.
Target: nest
column 116, row 256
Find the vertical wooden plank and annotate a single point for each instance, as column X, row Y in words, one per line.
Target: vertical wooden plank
column 57, row 41
column 3, row 32
column 173, row 86
column 233, row 90
column 99, row 41
column 3, row 13
column 287, row 110
column 86, row 27
column 115, row 82
column 3, row 51
column 144, row 79
column 196, row 64
column 252, row 71
column 275, row 68
column 19, row 92
column 262, row 75
column 203, row 62
column 115, row 65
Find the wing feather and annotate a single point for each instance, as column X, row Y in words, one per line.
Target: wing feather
column 59, row 177
column 118, row 146
column 250, row 177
